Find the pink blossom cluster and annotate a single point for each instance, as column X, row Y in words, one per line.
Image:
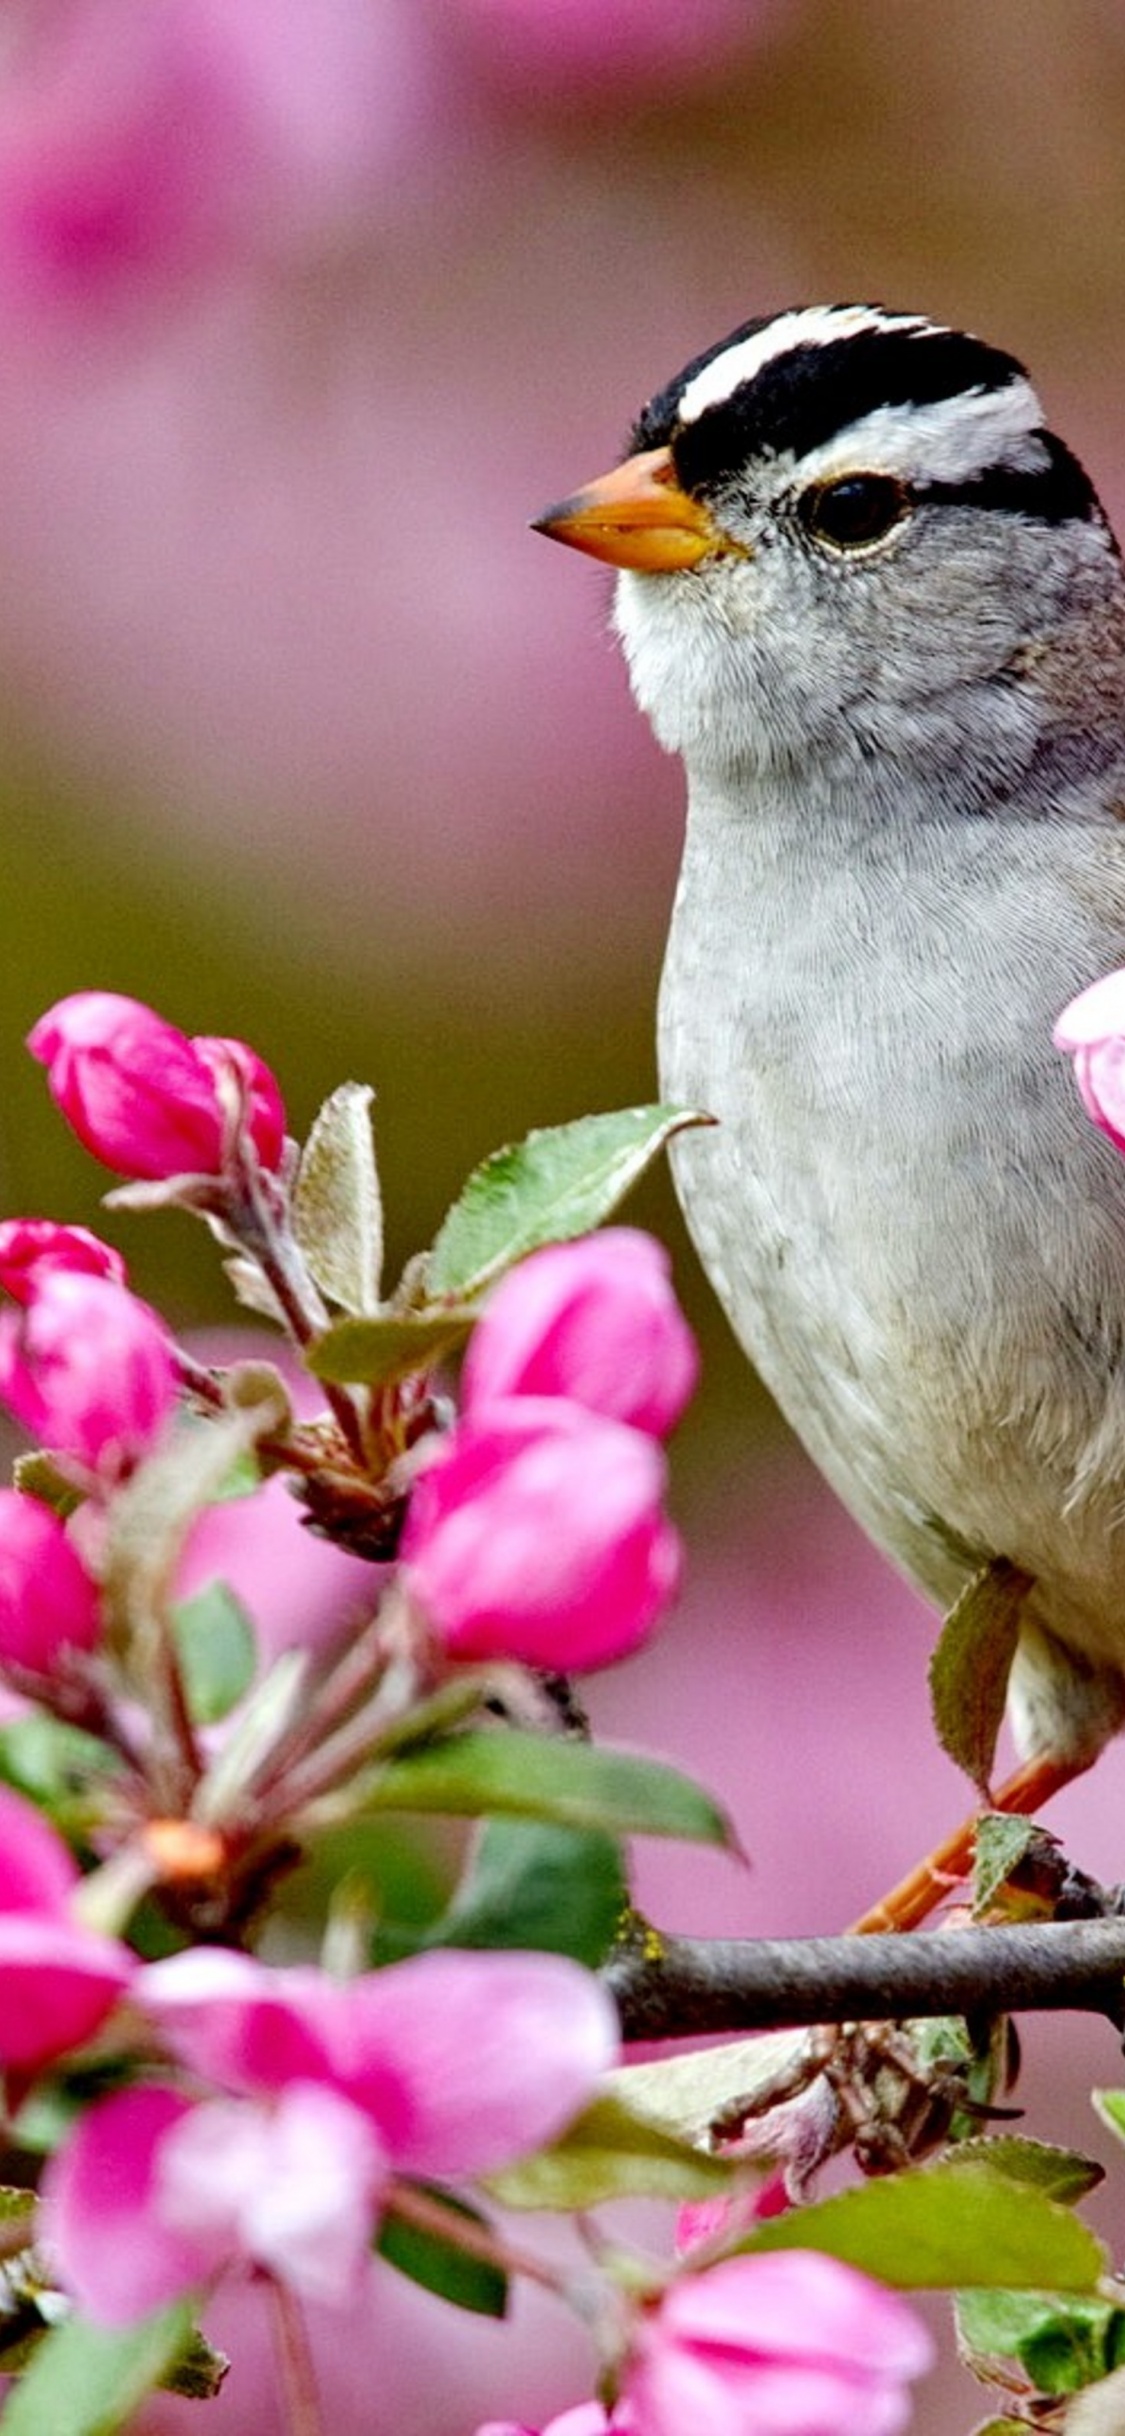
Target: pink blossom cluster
column 537, row 1532
column 272, row 2109
column 275, row 2115
column 266, row 2119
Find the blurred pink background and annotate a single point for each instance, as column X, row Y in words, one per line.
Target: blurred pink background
column 307, row 306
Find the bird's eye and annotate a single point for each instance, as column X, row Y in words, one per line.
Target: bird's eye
column 855, row 513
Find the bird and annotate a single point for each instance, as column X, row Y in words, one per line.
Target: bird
column 873, row 602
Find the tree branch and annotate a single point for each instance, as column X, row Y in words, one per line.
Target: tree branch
column 678, row 1987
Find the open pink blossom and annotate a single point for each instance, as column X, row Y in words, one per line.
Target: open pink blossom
column 48, row 1603
column 1092, row 1029
column 89, row 1370
column 783, row 2344
column 60, row 1980
column 31, row 1246
column 324, row 2089
column 462, row 2061
column 595, row 1320
column 537, row 1533
column 144, row 1098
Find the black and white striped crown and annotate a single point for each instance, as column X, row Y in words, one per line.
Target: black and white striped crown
column 839, row 388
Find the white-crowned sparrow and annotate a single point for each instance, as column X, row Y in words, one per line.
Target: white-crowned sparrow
column 876, row 606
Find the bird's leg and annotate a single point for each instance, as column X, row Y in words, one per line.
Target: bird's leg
column 927, row 1885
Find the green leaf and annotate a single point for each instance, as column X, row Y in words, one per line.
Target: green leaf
column 440, row 2266
column 947, row 2226
column 528, row 1776
column 88, row 2380
column 53, row 1764
column 1063, row 2173
column 1000, row 2427
column 562, row 1181
column 376, row 1352
column 337, row 1206
column 1110, row 2105
column 150, row 1518
column 557, row 1890
column 1060, row 2344
column 1000, row 1845
column 970, row 1667
column 611, row 2153
column 684, row 2095
column 217, row 1652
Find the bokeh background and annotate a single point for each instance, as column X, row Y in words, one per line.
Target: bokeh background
column 306, row 306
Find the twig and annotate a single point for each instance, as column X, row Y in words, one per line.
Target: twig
column 675, row 1987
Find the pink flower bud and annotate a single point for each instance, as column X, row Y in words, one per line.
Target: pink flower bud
column 783, row 2344
column 595, row 1320
column 537, row 1533
column 144, row 1098
column 29, row 1246
column 1092, row 1029
column 47, row 1601
column 89, row 1371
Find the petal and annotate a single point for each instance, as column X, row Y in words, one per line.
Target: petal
column 294, row 2187
column 59, row 1983
column 798, row 2304
column 1098, row 1013
column 100, row 2215
column 240, row 2024
column 38, row 1872
column 468, row 2060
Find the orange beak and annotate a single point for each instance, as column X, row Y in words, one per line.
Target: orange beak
column 638, row 517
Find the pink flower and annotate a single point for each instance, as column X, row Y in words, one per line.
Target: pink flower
column 595, row 1320
column 148, row 1101
column 47, row 1601
column 783, row 2344
column 198, row 133
column 153, row 2195
column 1092, row 1029
column 30, row 1246
column 462, row 2061
column 89, row 1371
column 537, row 1534
column 449, row 2063
column 59, row 1979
